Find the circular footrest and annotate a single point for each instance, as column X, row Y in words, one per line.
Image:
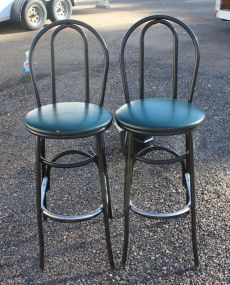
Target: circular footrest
column 168, row 215
column 63, row 218
column 90, row 158
column 156, row 215
column 177, row 157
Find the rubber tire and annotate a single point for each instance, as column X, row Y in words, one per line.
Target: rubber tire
column 25, row 17
column 52, row 13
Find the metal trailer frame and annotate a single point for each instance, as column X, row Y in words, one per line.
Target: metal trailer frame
column 223, row 9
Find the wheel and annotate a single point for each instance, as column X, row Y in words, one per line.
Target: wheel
column 34, row 15
column 59, row 10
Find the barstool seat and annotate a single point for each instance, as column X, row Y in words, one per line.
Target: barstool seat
column 159, row 115
column 68, row 119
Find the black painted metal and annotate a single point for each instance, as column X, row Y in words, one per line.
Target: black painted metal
column 140, row 141
column 155, row 215
column 43, row 187
column 83, row 35
column 105, row 194
column 43, row 165
column 175, row 55
column 38, row 202
column 76, row 25
column 193, row 199
column 155, row 20
column 70, row 165
column 127, row 188
column 177, row 158
column 168, row 215
column 186, row 159
column 63, row 218
column 186, row 163
column 105, row 173
column 43, row 154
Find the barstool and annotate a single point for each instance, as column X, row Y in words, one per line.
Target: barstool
column 159, row 117
column 69, row 120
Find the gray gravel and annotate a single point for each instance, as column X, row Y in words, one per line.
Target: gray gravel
column 160, row 252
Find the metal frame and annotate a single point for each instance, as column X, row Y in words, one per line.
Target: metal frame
column 186, row 159
column 152, row 20
column 76, row 25
column 43, row 166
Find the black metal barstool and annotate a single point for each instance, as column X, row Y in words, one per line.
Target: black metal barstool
column 160, row 117
column 69, row 120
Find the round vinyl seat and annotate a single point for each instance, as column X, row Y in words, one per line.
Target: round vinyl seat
column 68, row 119
column 159, row 116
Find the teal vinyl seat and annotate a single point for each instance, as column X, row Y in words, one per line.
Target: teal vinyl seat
column 143, row 119
column 61, row 120
column 68, row 119
column 156, row 116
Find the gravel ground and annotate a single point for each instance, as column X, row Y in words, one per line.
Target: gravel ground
column 160, row 251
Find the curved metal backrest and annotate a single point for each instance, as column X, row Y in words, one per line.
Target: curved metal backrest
column 77, row 26
column 150, row 21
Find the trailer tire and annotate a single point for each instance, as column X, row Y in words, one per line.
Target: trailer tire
column 34, row 15
column 59, row 10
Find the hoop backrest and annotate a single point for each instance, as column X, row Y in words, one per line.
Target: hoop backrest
column 77, row 26
column 167, row 21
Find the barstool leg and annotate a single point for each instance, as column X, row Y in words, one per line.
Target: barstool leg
column 106, row 177
column 186, row 166
column 189, row 141
column 43, row 154
column 104, row 189
column 127, row 188
column 38, row 201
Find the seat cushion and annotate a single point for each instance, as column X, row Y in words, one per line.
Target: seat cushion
column 68, row 119
column 159, row 116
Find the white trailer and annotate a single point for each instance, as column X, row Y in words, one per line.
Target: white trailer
column 32, row 14
column 223, row 9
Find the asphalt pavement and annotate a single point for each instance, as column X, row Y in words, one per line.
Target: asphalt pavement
column 160, row 251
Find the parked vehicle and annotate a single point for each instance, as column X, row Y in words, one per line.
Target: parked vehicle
column 223, row 9
column 32, row 14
